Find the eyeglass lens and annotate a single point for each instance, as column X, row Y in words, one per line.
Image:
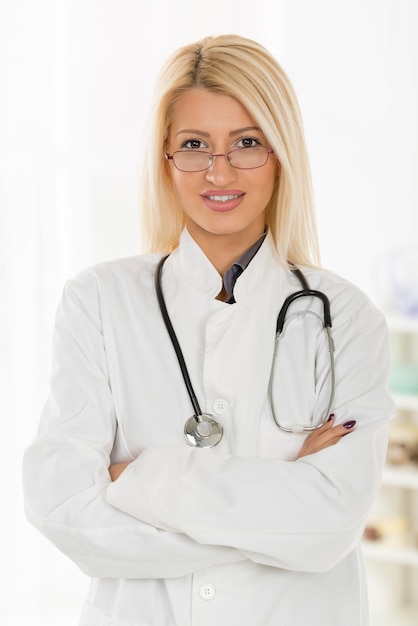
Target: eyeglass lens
column 241, row 158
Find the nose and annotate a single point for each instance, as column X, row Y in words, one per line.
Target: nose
column 221, row 171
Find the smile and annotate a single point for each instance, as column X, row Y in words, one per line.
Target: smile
column 223, row 201
column 223, row 198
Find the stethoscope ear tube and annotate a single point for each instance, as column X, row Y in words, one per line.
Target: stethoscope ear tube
column 303, row 294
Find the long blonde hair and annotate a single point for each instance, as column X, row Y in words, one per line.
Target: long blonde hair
column 241, row 68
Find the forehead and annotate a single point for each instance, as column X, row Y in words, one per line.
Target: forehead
column 200, row 109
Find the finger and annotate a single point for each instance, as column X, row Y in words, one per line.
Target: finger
column 322, row 429
column 340, row 430
column 325, row 436
column 337, row 430
column 334, row 435
column 349, row 425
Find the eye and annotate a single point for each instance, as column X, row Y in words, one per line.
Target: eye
column 248, row 142
column 193, row 144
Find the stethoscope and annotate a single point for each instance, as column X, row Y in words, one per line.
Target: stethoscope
column 203, row 430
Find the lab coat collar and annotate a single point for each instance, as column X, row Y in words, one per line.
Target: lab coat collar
column 197, row 269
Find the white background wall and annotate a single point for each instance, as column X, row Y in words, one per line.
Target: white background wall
column 76, row 81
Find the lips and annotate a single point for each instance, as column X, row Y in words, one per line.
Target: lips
column 222, row 198
column 225, row 200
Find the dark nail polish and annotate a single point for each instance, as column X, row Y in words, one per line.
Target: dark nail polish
column 331, row 417
column 349, row 424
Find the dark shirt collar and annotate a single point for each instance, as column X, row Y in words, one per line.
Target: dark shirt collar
column 234, row 272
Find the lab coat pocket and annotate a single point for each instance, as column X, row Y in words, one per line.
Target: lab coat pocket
column 91, row 616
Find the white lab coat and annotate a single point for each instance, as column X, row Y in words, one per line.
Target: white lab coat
column 238, row 534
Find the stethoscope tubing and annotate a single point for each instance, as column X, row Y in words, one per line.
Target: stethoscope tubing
column 197, row 431
column 327, row 322
column 174, row 340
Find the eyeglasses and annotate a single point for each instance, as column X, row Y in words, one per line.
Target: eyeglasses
column 200, row 160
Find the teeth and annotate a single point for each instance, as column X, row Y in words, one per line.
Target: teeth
column 222, row 198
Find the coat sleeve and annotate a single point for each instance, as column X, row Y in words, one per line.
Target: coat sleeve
column 305, row 515
column 65, row 470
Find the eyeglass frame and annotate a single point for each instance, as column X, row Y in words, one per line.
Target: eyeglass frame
column 170, row 157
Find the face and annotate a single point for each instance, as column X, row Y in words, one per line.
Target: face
column 222, row 200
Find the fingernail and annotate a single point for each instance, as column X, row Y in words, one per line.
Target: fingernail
column 349, row 424
column 331, row 417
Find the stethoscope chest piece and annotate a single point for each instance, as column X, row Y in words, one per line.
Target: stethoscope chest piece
column 203, row 431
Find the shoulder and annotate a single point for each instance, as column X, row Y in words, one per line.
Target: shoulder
column 127, row 269
column 348, row 302
column 112, row 281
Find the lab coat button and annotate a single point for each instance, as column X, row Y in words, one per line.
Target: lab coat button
column 220, row 406
column 207, row 591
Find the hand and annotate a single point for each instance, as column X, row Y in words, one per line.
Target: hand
column 327, row 435
column 116, row 470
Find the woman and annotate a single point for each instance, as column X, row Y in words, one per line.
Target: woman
column 248, row 524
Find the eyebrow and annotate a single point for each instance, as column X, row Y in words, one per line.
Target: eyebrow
column 202, row 133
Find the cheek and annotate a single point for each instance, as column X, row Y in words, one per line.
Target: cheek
column 274, row 179
column 185, row 189
column 177, row 184
column 266, row 186
column 274, row 173
column 174, row 181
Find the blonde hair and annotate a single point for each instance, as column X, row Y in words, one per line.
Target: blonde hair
column 241, row 68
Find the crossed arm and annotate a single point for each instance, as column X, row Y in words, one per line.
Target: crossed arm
column 327, row 435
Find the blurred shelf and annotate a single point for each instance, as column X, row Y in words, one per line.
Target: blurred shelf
column 405, row 616
column 401, row 476
column 395, row 586
column 406, row 401
column 381, row 552
column 402, row 323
